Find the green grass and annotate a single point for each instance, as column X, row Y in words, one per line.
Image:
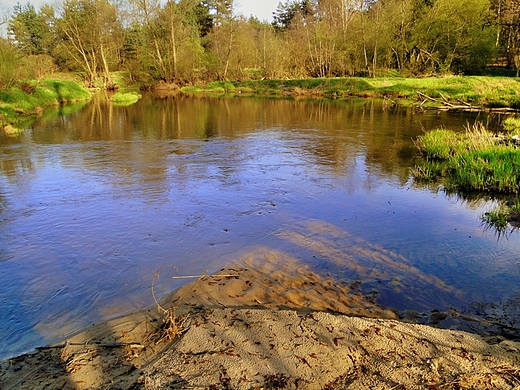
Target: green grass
column 125, row 99
column 512, row 126
column 30, row 98
column 497, row 218
column 65, row 91
column 478, row 91
column 501, row 217
column 191, row 89
column 476, row 160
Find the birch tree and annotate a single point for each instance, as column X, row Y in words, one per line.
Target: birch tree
column 90, row 35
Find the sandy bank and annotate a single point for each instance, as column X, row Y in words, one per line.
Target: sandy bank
column 271, row 323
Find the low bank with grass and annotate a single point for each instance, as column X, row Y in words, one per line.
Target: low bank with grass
column 476, row 161
column 31, row 98
column 125, row 99
column 451, row 92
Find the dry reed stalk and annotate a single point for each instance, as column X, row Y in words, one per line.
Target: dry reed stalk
column 173, row 325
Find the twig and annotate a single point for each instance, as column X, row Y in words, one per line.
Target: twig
column 445, row 100
column 201, row 276
column 465, row 103
column 173, row 324
column 427, row 97
column 102, row 345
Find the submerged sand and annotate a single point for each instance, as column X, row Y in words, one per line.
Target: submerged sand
column 268, row 322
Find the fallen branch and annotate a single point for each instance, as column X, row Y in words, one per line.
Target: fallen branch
column 445, row 100
column 465, row 103
column 102, row 345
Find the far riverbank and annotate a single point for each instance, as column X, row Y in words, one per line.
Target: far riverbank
column 29, row 98
column 451, row 92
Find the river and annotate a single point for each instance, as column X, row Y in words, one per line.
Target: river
column 94, row 202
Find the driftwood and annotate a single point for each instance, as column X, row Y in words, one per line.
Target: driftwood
column 446, row 105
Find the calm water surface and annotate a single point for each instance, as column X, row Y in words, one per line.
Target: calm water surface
column 92, row 204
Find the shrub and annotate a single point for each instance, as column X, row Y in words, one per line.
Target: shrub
column 8, row 64
column 125, row 99
column 512, row 125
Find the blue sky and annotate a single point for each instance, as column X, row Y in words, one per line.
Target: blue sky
column 263, row 9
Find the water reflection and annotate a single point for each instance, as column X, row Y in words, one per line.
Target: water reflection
column 96, row 201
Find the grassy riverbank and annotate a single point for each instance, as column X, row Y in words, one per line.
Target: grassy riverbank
column 444, row 92
column 30, row 98
column 476, row 160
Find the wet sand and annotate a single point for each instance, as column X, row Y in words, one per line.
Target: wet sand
column 268, row 322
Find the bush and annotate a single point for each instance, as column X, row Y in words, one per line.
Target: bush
column 125, row 98
column 9, row 66
column 512, row 126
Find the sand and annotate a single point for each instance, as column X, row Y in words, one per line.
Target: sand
column 268, row 322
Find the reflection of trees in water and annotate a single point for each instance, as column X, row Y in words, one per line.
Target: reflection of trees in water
column 328, row 134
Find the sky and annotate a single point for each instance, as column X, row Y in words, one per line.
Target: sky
column 262, row 9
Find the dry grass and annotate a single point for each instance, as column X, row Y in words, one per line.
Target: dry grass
column 173, row 324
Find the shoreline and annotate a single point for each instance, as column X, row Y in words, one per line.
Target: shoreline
column 267, row 322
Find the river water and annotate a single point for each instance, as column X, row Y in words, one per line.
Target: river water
column 94, row 202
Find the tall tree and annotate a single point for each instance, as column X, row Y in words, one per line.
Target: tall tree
column 91, row 35
column 507, row 19
column 287, row 13
column 29, row 30
column 168, row 40
column 223, row 36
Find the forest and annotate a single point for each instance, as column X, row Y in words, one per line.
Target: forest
column 185, row 42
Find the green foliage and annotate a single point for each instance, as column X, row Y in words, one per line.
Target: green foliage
column 477, row 90
column 512, row 125
column 32, row 98
column 219, row 86
column 9, row 66
column 65, row 90
column 501, row 217
column 476, row 160
column 287, row 12
column 497, row 218
column 126, row 99
column 494, row 169
column 497, row 103
column 90, row 39
column 440, row 144
column 32, row 33
column 184, row 42
column 191, row 89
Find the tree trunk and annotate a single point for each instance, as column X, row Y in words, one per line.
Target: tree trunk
column 108, row 83
column 230, row 48
column 174, row 52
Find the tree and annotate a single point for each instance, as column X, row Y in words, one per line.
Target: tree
column 507, row 19
column 29, row 30
column 167, row 41
column 9, row 66
column 288, row 13
column 436, row 36
column 222, row 36
column 91, row 36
